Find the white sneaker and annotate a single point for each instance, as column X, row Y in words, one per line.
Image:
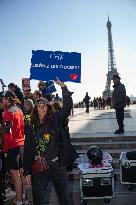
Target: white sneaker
column 25, row 202
column 8, row 190
column 10, row 194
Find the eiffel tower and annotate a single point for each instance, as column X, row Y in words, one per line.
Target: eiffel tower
column 111, row 62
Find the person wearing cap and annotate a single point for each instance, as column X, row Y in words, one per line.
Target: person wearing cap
column 14, row 141
column 45, row 140
column 119, row 102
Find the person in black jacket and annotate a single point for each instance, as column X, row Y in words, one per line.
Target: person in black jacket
column 47, row 138
column 86, row 101
column 13, row 87
column 119, row 102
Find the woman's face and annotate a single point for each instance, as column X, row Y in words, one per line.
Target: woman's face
column 42, row 109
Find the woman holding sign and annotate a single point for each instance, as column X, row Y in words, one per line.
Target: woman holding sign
column 47, row 151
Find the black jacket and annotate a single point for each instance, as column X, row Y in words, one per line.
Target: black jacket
column 57, row 143
column 19, row 95
column 86, row 99
column 119, row 96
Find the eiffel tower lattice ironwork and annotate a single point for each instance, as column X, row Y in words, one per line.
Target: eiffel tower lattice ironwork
column 111, row 62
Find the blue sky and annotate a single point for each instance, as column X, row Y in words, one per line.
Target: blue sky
column 69, row 25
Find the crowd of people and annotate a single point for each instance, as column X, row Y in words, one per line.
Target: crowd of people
column 35, row 143
column 98, row 103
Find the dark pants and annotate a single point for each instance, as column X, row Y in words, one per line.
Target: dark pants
column 87, row 108
column 1, row 188
column 3, row 171
column 59, row 179
column 72, row 111
column 120, row 117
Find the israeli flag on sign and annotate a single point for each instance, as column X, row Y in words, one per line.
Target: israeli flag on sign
column 47, row 65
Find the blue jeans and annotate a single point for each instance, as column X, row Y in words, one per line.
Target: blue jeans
column 40, row 182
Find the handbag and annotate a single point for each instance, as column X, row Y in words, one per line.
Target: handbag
column 39, row 165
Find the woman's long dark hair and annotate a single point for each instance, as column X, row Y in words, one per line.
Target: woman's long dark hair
column 35, row 116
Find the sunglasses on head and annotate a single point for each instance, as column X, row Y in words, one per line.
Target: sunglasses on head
column 42, row 100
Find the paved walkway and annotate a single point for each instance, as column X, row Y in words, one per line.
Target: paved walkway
column 100, row 122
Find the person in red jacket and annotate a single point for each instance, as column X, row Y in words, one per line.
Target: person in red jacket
column 14, row 141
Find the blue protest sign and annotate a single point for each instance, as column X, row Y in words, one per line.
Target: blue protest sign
column 47, row 65
column 50, row 88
